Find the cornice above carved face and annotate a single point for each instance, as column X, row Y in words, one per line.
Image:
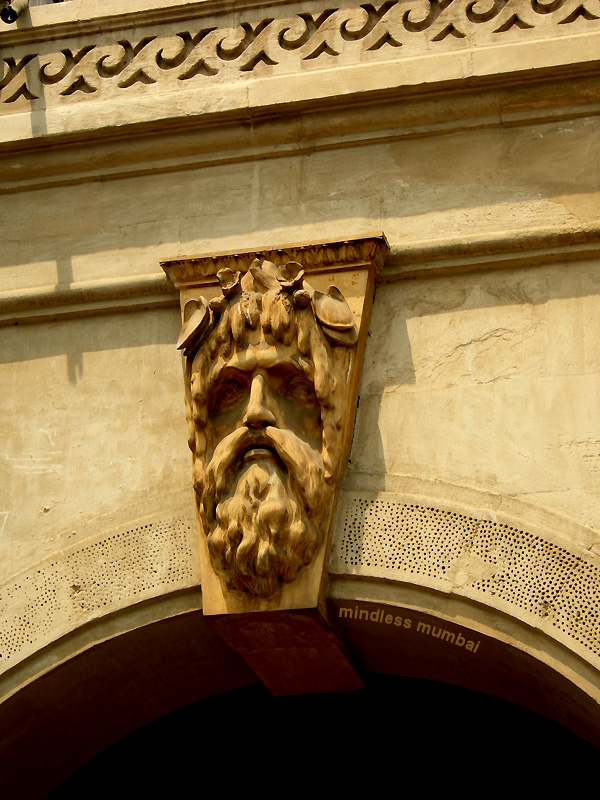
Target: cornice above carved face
column 163, row 69
column 196, row 42
column 366, row 252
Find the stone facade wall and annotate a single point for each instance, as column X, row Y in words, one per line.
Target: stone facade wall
column 467, row 133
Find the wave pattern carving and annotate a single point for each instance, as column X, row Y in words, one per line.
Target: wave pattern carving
column 366, row 31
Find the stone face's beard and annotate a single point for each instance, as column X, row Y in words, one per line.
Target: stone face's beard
column 263, row 534
column 262, row 501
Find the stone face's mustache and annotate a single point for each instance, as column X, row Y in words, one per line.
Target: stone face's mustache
column 302, row 462
column 223, row 459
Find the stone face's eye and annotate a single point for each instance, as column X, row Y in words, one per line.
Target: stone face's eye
column 228, row 393
column 300, row 390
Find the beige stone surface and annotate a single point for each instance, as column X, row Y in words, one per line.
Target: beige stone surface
column 474, row 148
column 488, row 381
column 464, row 185
column 90, row 429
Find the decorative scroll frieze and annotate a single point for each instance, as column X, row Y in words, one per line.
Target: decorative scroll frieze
column 280, row 44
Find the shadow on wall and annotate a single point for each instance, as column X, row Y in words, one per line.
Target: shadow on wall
column 64, row 278
column 453, row 336
column 76, row 337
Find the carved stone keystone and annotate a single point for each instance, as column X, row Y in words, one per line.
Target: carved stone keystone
column 272, row 344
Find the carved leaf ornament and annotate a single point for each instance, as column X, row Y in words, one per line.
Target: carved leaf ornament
column 377, row 32
column 196, row 322
column 331, row 309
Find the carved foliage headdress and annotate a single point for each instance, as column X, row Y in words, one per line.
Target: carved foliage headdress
column 267, row 295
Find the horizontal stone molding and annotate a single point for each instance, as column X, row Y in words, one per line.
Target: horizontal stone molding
column 525, row 248
column 414, row 259
column 164, row 139
column 86, row 299
column 77, row 17
column 534, row 576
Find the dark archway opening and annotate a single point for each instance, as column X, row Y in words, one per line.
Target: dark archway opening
column 395, row 726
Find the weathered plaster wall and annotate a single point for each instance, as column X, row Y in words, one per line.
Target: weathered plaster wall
column 92, row 428
column 459, row 187
column 478, row 159
column 491, row 381
column 486, row 380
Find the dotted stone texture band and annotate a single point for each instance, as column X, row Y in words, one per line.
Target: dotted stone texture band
column 536, row 579
column 540, row 580
column 101, row 576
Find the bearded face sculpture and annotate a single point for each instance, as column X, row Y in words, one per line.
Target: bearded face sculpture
column 266, row 364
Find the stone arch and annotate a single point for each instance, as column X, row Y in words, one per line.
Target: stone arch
column 78, row 696
column 109, row 634
column 501, row 601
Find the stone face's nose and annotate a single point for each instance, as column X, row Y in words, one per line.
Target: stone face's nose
column 258, row 414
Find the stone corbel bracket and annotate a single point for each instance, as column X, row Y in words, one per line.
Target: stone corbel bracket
column 352, row 266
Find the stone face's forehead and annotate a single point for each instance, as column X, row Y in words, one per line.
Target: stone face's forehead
column 262, row 356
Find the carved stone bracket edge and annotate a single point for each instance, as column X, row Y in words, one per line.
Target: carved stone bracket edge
column 347, row 254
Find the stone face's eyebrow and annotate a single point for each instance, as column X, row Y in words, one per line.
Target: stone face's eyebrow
column 217, row 369
column 247, row 361
column 242, row 361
